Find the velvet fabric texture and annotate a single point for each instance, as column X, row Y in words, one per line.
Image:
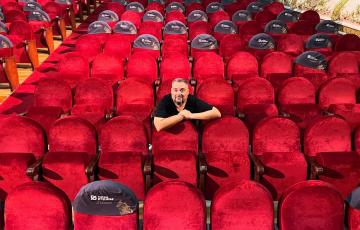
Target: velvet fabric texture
column 229, row 45
column 88, row 46
column 276, row 142
column 218, row 93
column 175, row 66
column 311, row 205
column 108, row 67
column 133, row 17
column 152, row 28
column 242, row 204
column 175, row 153
column 123, row 144
column 72, row 68
column 45, row 115
column 217, row 17
column 348, row 42
column 242, row 66
column 276, row 62
column 35, row 206
column 207, row 66
column 143, row 67
column 337, row 91
column 175, row 15
column 174, row 46
column 118, row 47
column 249, row 29
column 353, row 219
column 225, row 145
column 263, row 17
column 174, row 204
column 350, row 112
column 343, row 63
column 92, row 222
column 198, row 27
column 18, row 32
column 291, row 44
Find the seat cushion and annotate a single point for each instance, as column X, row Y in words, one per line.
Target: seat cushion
column 302, row 114
column 93, row 113
column 44, row 115
column 256, row 112
column 350, row 112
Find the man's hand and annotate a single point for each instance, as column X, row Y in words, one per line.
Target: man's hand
column 186, row 114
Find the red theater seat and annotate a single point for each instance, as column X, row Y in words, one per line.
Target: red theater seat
column 241, row 67
column 208, row 66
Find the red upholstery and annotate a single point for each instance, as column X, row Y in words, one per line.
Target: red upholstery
column 175, row 15
column 198, row 27
column 276, row 142
column 88, row 46
column 133, row 17
column 218, row 93
column 123, row 144
column 207, row 66
column 142, row 67
column 229, row 45
column 225, row 145
column 217, row 17
column 345, row 64
column 175, row 153
column 291, row 44
column 174, row 46
column 243, row 204
column 109, row 68
column 354, row 219
column 19, row 31
column 348, row 42
column 155, row 6
column 15, row 15
column 337, row 91
column 35, row 205
column 276, row 63
column 118, row 47
column 185, row 201
column 310, row 16
column 242, row 66
column 153, row 28
column 175, row 66
column 248, row 29
column 82, row 221
column 72, row 68
column 314, row 204
column 350, row 112
column 265, row 16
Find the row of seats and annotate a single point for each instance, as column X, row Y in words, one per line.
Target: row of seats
column 178, row 205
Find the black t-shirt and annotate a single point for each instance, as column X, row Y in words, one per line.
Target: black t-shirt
column 167, row 108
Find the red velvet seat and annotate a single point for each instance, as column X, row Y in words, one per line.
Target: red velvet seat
column 310, row 16
column 240, row 17
column 327, row 143
column 175, row 66
column 125, row 30
column 142, row 67
column 243, row 204
column 52, row 98
column 321, row 43
column 218, row 93
column 291, row 44
column 152, row 28
column 353, row 219
column 255, row 101
column 22, row 143
column 135, row 98
column 175, row 153
column 276, row 29
column 303, row 28
column 260, row 45
column 208, row 66
column 174, row 45
column 175, row 15
column 223, row 28
column 108, row 68
column 171, row 195
column 175, row 29
column 198, row 27
column 8, row 70
column 93, row 101
column 230, row 44
column 218, row 16
column 241, row 67
column 133, row 17
column 225, row 144
column 155, row 6
column 348, row 42
column 123, row 144
column 276, row 144
column 265, row 16
column 297, row 99
column 88, row 46
column 109, row 16
column 118, row 47
column 311, row 204
column 58, row 17
column 202, row 44
column 345, row 64
column 40, row 205
column 72, row 146
column 248, row 29
column 276, row 67
column 40, row 23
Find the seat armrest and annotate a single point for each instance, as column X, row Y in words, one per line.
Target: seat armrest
column 259, row 168
column 90, row 169
column 315, row 168
column 147, row 172
column 202, row 171
column 34, row 170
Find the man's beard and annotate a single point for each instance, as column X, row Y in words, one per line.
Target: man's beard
column 179, row 100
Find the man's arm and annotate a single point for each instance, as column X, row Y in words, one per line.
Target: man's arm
column 207, row 115
column 163, row 123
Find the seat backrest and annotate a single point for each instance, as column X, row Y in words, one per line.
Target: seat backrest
column 88, row 46
column 310, row 16
column 296, row 90
column 108, row 68
column 291, row 44
column 276, row 134
column 276, row 62
column 344, row 62
column 309, row 62
column 348, row 42
column 209, row 65
column 327, row 134
column 170, row 195
column 311, row 203
column 240, row 205
column 72, row 68
column 142, row 67
column 21, row 28
column 15, row 15
column 242, row 63
column 230, row 44
column 175, row 66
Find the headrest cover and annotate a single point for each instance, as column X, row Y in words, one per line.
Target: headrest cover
column 64, row 2
column 147, row 41
column 227, row 2
column 318, row 41
column 204, row 42
column 327, row 26
column 99, row 27
column 153, row 16
column 31, row 6
column 162, row 2
column 288, row 16
column 226, row 27
column 189, row 2
column 262, row 41
column 175, row 27
column 5, row 42
column 25, row 1
column 121, row 2
column 3, row 28
column 135, row 6
column 125, row 27
column 241, row 15
column 105, row 198
column 213, row 7
column 354, row 198
column 254, row 7
column 312, row 59
column 2, row 17
column 276, row 27
column 175, row 6
column 38, row 15
column 197, row 15
column 108, row 16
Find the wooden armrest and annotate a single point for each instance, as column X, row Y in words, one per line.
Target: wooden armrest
column 34, row 170
column 259, row 168
column 315, row 168
column 90, row 169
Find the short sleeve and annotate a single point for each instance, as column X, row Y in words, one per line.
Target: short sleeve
column 202, row 106
column 161, row 110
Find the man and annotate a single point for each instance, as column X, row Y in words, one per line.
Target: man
column 179, row 105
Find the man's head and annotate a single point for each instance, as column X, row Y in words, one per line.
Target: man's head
column 179, row 91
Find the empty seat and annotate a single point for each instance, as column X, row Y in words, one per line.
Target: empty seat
column 208, row 66
column 223, row 28
column 118, row 47
column 310, row 16
column 240, row 204
column 151, row 28
column 171, row 195
column 132, row 17
column 277, row 29
column 225, row 144
column 175, row 15
column 230, row 44
column 124, row 151
column 8, row 71
column 241, row 67
column 175, row 29
column 125, row 30
column 314, row 204
column 105, row 204
column 291, row 44
column 147, row 44
column 240, row 17
column 320, row 43
column 108, row 68
column 108, row 16
column 175, row 66
column 199, row 27
column 218, row 16
column 40, row 23
column 49, row 208
column 173, row 46
column 265, row 16
column 260, row 45
column 348, row 42
column 345, row 64
column 332, row 161
column 248, row 29
column 203, row 43
column 99, row 29
column 288, row 16
column 142, row 67
column 72, row 68
column 276, row 147
column 88, row 46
